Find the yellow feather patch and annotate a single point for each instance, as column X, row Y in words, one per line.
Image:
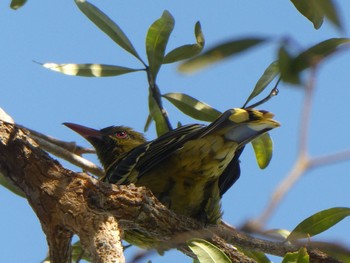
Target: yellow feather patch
column 239, row 115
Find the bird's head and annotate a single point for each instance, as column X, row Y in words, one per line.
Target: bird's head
column 110, row 143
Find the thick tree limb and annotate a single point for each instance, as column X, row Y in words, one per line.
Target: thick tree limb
column 70, row 203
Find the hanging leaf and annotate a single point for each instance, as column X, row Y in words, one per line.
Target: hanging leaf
column 316, row 10
column 311, row 10
column 193, row 107
column 269, row 74
column 157, row 116
column 89, row 70
column 15, row 4
column 263, row 147
column 103, row 22
column 319, row 222
column 330, row 11
column 218, row 53
column 207, row 252
column 156, row 41
column 300, row 256
column 187, row 51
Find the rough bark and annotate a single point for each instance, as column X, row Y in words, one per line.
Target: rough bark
column 68, row 203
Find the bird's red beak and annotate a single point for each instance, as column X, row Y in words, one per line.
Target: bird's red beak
column 86, row 132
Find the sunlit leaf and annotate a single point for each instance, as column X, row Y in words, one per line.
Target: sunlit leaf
column 207, row 252
column 218, row 53
column 7, row 184
column 187, row 51
column 278, row 233
column 300, row 256
column 319, row 222
column 89, row 70
column 311, row 10
column 269, row 74
column 102, row 21
column 263, row 147
column 156, row 41
column 157, row 116
column 193, row 107
column 15, row 4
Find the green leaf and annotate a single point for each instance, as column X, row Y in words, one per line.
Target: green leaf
column 218, row 53
column 269, row 74
column 102, row 21
column 7, row 184
column 311, row 10
column 315, row 54
column 148, row 123
column 15, row 4
column 285, row 64
column 187, row 51
column 319, row 222
column 193, row 107
column 156, row 41
column 263, row 147
column 278, row 233
column 157, row 116
column 316, row 10
column 207, row 252
column 330, row 11
column 257, row 256
column 297, row 257
column 89, row 70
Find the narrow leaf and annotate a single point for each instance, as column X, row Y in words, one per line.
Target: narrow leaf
column 218, row 53
column 207, row 252
column 102, row 21
column 311, row 10
column 148, row 123
column 269, row 74
column 193, row 107
column 263, row 147
column 89, row 70
column 157, row 116
column 187, row 51
column 15, row 4
column 319, row 222
column 156, row 41
column 318, row 52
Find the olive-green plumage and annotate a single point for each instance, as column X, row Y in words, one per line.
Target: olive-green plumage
column 184, row 166
column 188, row 169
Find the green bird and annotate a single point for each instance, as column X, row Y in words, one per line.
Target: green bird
column 189, row 168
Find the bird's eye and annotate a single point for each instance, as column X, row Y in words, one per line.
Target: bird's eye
column 121, row 134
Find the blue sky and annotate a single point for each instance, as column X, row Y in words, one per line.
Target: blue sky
column 56, row 31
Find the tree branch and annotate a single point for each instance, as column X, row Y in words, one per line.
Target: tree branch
column 70, row 203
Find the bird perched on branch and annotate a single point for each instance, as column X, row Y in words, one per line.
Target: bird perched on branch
column 189, row 168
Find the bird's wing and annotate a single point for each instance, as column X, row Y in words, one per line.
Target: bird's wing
column 146, row 156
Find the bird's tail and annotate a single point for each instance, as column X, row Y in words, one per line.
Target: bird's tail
column 242, row 125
